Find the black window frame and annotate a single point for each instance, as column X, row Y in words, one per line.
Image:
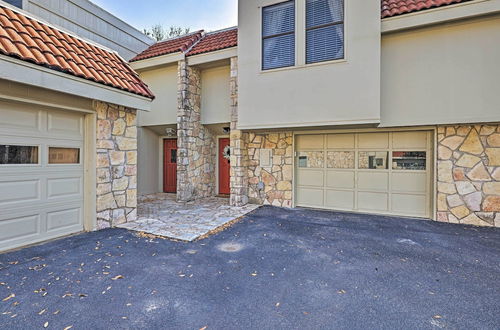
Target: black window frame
column 293, row 32
column 307, row 29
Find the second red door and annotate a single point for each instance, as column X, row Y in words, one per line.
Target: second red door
column 224, row 166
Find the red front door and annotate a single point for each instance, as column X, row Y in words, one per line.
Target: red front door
column 224, row 166
column 170, row 165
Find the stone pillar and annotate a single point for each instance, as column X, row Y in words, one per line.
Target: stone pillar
column 196, row 145
column 116, row 165
column 468, row 170
column 239, row 154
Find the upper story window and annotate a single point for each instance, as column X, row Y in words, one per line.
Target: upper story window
column 324, row 30
column 278, row 35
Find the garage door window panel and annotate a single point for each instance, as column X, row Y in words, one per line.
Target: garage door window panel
column 341, row 159
column 311, row 159
column 64, row 156
column 373, row 160
column 409, row 160
column 18, row 155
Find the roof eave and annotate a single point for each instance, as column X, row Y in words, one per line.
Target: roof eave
column 213, row 56
column 31, row 74
column 440, row 15
column 152, row 62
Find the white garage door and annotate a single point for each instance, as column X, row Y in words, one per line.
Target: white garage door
column 387, row 173
column 41, row 174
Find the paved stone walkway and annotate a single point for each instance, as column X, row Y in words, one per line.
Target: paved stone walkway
column 162, row 215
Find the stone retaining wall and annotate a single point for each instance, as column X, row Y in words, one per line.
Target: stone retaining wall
column 468, row 171
column 116, row 165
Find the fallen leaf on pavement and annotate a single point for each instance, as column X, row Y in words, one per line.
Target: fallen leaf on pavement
column 9, row 297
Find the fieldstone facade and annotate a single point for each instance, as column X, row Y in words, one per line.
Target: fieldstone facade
column 116, row 165
column 196, row 154
column 468, row 171
column 239, row 154
column 275, row 179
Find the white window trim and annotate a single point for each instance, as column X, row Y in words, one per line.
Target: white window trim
column 300, row 39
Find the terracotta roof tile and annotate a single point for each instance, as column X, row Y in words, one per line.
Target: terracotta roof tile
column 27, row 39
column 216, row 41
column 170, row 46
column 392, row 8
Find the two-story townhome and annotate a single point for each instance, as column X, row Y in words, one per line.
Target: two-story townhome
column 387, row 107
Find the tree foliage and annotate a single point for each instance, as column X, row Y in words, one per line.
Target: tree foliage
column 160, row 32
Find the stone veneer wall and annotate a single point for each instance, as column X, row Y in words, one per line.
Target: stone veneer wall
column 277, row 178
column 196, row 154
column 468, row 173
column 116, row 165
column 239, row 154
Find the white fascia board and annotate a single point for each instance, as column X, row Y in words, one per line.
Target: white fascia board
column 31, row 74
column 441, row 15
column 213, row 56
column 150, row 63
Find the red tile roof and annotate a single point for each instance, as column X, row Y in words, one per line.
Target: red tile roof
column 216, row 41
column 180, row 44
column 392, row 8
column 27, row 39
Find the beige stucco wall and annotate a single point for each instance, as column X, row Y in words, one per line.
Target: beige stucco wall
column 442, row 74
column 163, row 83
column 215, row 98
column 329, row 93
column 148, row 162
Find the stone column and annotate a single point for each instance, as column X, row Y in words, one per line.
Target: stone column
column 239, row 155
column 116, row 165
column 468, row 170
column 196, row 145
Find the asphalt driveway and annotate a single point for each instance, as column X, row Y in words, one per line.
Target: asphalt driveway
column 277, row 269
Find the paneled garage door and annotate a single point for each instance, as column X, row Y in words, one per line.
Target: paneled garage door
column 387, row 173
column 41, row 174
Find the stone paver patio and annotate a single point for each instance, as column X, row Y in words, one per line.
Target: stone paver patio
column 162, row 215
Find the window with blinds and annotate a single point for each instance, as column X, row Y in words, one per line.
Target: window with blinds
column 278, row 35
column 324, row 30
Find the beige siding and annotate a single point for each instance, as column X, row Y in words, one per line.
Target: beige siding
column 329, row 93
column 163, row 82
column 148, row 162
column 442, row 74
column 215, row 99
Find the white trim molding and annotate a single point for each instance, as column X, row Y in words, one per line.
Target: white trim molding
column 150, row 63
column 31, row 74
column 444, row 14
column 223, row 54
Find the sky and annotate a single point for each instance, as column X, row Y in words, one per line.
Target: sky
column 209, row 15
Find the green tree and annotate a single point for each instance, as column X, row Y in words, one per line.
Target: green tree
column 159, row 32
